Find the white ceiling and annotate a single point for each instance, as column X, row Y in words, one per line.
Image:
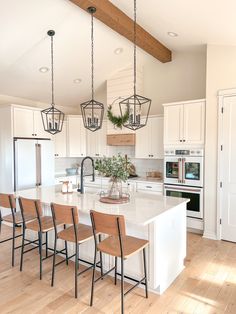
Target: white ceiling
column 25, row 46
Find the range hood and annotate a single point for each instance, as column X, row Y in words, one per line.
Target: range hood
column 121, row 139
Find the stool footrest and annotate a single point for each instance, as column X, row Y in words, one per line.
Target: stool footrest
column 134, row 286
column 106, row 273
column 8, row 239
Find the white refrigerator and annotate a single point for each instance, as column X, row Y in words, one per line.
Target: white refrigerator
column 33, row 163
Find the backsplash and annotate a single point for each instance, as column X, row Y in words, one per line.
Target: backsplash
column 62, row 163
column 142, row 165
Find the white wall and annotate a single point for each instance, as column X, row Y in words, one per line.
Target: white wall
column 221, row 74
column 182, row 79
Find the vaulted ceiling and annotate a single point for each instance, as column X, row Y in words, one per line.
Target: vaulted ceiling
column 25, row 46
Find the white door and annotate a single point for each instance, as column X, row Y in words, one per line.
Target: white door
column 194, row 123
column 228, row 170
column 23, row 122
column 25, row 164
column 173, row 125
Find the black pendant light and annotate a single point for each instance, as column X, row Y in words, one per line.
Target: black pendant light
column 52, row 118
column 92, row 110
column 137, row 106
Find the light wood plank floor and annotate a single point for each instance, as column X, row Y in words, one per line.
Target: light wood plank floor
column 207, row 285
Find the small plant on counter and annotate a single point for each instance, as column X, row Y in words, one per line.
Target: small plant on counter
column 114, row 167
column 117, row 169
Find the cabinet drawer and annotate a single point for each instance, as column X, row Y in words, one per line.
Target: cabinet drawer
column 152, row 187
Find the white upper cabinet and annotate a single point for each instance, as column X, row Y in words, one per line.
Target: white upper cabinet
column 149, row 139
column 184, row 123
column 60, row 142
column 23, row 122
column 27, row 122
column 96, row 142
column 76, row 137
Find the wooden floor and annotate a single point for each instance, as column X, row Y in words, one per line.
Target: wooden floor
column 207, row 285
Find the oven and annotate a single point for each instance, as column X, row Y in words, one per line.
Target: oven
column 184, row 167
column 195, row 194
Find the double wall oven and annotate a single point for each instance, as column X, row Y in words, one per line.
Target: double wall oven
column 183, row 177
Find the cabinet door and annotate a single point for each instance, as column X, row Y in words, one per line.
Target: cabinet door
column 194, row 123
column 23, row 122
column 38, row 126
column 157, row 145
column 76, row 137
column 92, row 143
column 60, row 141
column 102, row 140
column 96, row 142
column 173, row 121
column 142, row 144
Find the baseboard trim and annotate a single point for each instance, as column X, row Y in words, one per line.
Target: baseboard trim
column 210, row 235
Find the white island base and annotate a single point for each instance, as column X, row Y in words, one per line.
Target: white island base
column 160, row 219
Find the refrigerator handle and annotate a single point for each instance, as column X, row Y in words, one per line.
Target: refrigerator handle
column 179, row 169
column 38, row 164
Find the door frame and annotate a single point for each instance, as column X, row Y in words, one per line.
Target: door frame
column 221, row 95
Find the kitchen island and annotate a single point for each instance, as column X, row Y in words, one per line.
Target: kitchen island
column 160, row 219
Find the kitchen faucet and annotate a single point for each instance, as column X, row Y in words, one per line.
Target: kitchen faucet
column 81, row 189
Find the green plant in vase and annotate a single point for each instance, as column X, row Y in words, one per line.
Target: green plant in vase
column 117, row 168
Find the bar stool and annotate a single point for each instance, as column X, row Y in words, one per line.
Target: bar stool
column 76, row 233
column 41, row 224
column 8, row 201
column 117, row 244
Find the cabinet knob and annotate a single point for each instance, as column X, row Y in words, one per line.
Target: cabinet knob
column 180, row 140
column 183, row 140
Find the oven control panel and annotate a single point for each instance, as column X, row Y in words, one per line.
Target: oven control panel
column 184, row 152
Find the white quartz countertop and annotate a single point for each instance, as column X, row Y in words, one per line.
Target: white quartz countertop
column 141, row 210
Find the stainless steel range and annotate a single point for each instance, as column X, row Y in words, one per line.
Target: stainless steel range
column 184, row 177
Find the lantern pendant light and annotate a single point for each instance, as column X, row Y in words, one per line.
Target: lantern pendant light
column 92, row 110
column 138, row 107
column 52, row 118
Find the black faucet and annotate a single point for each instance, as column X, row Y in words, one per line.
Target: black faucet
column 81, row 189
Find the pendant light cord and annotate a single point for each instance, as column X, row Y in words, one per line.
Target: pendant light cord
column 52, row 71
column 135, row 9
column 92, row 58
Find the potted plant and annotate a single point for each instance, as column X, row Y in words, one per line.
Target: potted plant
column 117, row 169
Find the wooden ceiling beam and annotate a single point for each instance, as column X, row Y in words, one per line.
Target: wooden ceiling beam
column 117, row 20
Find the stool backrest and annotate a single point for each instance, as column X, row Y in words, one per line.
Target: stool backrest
column 113, row 225
column 7, row 201
column 64, row 214
column 30, row 207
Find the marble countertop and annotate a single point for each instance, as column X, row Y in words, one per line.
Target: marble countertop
column 141, row 210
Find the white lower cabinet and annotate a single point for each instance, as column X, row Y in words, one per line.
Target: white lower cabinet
column 150, row 187
column 149, row 139
column 76, row 137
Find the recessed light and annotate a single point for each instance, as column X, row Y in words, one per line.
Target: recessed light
column 118, row 51
column 77, row 81
column 43, row 69
column 172, row 34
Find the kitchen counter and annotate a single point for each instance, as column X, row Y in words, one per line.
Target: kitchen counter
column 161, row 220
column 141, row 210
